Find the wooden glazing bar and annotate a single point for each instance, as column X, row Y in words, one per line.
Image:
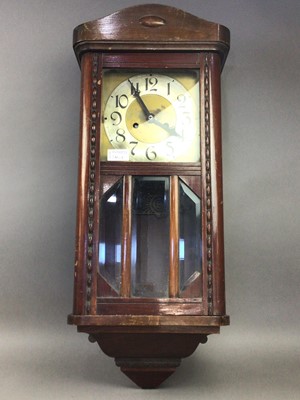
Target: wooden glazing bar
column 174, row 238
column 126, row 238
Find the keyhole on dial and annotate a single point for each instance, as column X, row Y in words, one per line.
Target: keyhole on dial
column 135, row 125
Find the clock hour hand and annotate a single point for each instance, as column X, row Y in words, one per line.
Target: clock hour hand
column 149, row 116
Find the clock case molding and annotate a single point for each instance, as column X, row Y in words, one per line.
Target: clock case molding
column 146, row 337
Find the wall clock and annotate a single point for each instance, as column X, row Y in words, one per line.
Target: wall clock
column 149, row 264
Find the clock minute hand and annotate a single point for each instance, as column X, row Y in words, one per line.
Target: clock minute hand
column 149, row 116
column 166, row 127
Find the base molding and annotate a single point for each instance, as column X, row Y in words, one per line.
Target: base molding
column 148, row 348
column 148, row 359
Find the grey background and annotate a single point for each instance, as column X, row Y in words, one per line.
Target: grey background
column 257, row 357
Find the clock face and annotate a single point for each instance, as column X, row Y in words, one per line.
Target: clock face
column 150, row 116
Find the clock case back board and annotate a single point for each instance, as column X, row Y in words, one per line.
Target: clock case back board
column 148, row 336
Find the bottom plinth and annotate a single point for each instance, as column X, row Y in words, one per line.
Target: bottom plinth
column 148, row 348
column 147, row 373
column 148, row 359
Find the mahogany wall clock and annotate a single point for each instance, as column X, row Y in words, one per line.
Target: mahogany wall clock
column 149, row 268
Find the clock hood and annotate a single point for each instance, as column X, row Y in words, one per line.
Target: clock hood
column 151, row 27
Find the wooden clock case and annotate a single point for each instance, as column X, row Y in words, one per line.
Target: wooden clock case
column 148, row 337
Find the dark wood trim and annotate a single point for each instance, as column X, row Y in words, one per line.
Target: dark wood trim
column 154, row 168
column 147, row 48
column 152, row 346
column 148, row 320
column 150, row 306
column 104, row 289
column 139, row 308
column 149, row 300
column 194, row 287
column 174, row 329
column 193, row 182
column 107, row 181
column 159, row 60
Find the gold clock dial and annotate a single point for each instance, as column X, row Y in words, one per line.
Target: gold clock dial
column 150, row 117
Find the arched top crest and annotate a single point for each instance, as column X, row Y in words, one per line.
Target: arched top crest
column 151, row 27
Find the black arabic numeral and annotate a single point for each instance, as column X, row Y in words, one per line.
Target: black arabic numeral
column 134, row 144
column 181, row 99
column 169, row 88
column 116, row 117
column 150, row 83
column 121, row 101
column 120, row 138
column 170, row 149
column 134, row 89
column 187, row 118
column 150, row 153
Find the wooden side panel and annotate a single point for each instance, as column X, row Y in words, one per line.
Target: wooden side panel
column 85, row 286
column 217, row 190
column 83, row 177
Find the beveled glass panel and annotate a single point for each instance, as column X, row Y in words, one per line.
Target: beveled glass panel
column 190, row 248
column 111, row 235
column 150, row 237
